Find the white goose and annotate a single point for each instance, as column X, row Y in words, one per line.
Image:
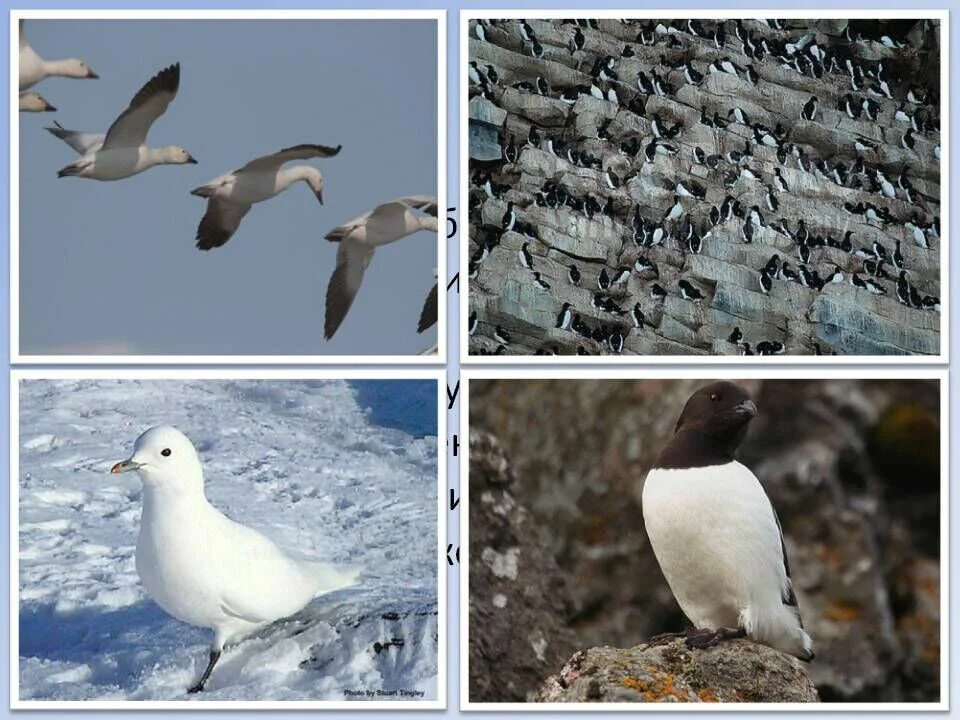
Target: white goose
column 122, row 151
column 358, row 239
column 35, row 102
column 34, row 68
column 230, row 196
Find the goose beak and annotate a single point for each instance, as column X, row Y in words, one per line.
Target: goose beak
column 125, row 466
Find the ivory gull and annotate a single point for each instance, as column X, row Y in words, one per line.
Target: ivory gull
column 122, row 152
column 34, row 68
column 358, row 239
column 230, row 196
column 203, row 568
column 34, row 102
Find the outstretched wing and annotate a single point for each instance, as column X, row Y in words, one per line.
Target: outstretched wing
column 131, row 128
column 423, row 203
column 428, row 316
column 220, row 222
column 297, row 152
column 352, row 261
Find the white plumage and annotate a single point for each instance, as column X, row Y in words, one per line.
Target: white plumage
column 203, row 568
column 718, row 543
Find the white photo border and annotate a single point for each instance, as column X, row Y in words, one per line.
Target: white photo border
column 438, row 358
column 438, row 375
column 706, row 373
column 466, row 359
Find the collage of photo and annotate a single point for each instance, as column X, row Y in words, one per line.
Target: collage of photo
column 563, row 444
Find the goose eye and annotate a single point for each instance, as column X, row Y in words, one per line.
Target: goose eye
column 714, row 397
column 165, row 452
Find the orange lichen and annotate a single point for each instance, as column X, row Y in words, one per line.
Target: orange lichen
column 707, row 695
column 659, row 687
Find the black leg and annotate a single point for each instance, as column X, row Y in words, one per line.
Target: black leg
column 703, row 639
column 214, row 656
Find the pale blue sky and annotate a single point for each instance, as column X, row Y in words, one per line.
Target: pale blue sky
column 111, row 267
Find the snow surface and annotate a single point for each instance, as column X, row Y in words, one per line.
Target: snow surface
column 306, row 463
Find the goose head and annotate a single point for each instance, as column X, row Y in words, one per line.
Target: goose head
column 34, row 102
column 176, row 155
column 312, row 177
column 73, row 68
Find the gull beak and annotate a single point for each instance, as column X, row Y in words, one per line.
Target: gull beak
column 746, row 408
column 319, row 195
column 125, row 466
column 192, row 160
column 92, row 75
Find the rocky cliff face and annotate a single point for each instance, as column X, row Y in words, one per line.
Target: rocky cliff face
column 852, row 468
column 590, row 184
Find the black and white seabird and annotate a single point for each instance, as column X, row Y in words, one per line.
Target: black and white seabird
column 565, row 318
column 770, row 347
column 526, row 259
column 603, row 280
column 501, row 335
column 509, row 218
column 615, row 341
column 809, row 111
column 657, row 293
column 540, row 282
column 472, row 324
column 636, row 315
column 740, row 586
column 574, row 275
column 735, row 336
column 689, row 292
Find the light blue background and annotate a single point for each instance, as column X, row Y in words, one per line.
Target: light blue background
column 111, row 267
column 676, row 9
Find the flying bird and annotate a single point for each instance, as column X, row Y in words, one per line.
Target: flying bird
column 122, row 151
column 34, row 68
column 230, row 196
column 359, row 238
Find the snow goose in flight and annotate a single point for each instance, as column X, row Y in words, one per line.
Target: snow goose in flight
column 358, row 239
column 122, row 152
column 428, row 316
column 34, row 68
column 230, row 196
column 34, row 102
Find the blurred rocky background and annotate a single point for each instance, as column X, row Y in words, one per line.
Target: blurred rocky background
column 559, row 560
column 512, row 116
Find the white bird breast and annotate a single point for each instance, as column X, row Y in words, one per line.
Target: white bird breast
column 715, row 536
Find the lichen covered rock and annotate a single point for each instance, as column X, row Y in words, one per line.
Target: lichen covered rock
column 734, row 671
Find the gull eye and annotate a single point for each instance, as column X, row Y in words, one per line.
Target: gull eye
column 714, row 397
column 165, row 452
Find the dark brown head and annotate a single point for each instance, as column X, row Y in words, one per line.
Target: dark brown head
column 711, row 427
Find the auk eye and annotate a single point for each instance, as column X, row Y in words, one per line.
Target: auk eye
column 714, row 397
column 165, row 452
